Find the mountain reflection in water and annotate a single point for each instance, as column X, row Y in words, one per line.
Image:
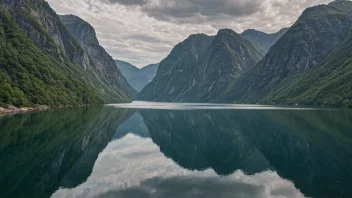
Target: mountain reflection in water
column 108, row 152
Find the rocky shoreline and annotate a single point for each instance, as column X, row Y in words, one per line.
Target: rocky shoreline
column 9, row 109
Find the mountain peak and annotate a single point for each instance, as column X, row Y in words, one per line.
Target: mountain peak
column 227, row 32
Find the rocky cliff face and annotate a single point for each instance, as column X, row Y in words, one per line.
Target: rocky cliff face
column 137, row 78
column 82, row 73
column 261, row 40
column 318, row 31
column 101, row 60
column 44, row 28
column 201, row 67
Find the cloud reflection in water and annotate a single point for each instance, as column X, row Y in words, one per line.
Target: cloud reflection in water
column 135, row 167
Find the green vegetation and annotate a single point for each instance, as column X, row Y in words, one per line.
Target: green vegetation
column 30, row 76
column 327, row 84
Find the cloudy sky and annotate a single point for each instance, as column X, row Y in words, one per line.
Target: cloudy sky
column 144, row 31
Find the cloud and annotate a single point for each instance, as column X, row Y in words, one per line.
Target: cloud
column 135, row 167
column 128, row 2
column 166, row 10
column 145, row 31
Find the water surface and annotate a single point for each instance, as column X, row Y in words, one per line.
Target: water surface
column 177, row 150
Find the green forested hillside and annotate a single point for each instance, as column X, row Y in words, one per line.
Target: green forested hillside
column 30, row 76
column 327, row 84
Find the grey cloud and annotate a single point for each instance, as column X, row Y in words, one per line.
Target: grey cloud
column 195, row 187
column 128, row 2
column 180, row 9
column 175, row 10
column 144, row 38
column 145, row 31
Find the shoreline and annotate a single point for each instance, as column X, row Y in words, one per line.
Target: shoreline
column 15, row 110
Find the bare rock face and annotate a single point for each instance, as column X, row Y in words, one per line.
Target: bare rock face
column 201, row 67
column 85, row 34
column 45, row 29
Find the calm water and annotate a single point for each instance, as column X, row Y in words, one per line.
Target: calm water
column 173, row 150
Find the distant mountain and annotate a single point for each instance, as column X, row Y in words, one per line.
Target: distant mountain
column 201, row 67
column 261, row 40
column 304, row 45
column 137, row 78
column 42, row 63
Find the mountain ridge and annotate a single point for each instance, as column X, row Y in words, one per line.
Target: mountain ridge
column 189, row 73
column 304, row 45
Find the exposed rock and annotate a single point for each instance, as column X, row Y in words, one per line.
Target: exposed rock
column 101, row 60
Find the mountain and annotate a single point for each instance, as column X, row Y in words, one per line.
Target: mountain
column 261, row 40
column 137, row 78
column 184, row 57
column 41, row 63
column 100, row 59
column 327, row 84
column 304, row 45
column 201, row 67
column 344, row 5
column 150, row 71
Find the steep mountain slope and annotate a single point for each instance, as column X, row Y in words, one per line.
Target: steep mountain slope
column 318, row 31
column 261, row 40
column 29, row 76
column 100, row 59
column 327, row 84
column 206, row 67
column 57, row 70
column 137, row 78
column 44, row 28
